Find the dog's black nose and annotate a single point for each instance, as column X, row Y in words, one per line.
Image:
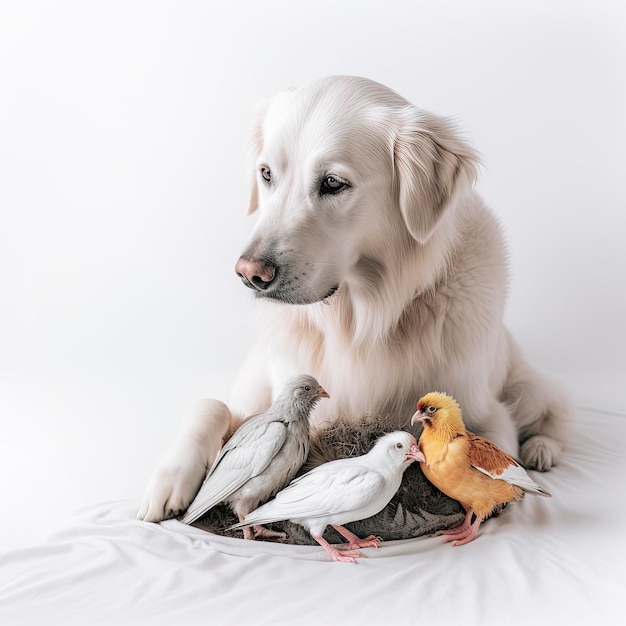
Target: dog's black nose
column 255, row 273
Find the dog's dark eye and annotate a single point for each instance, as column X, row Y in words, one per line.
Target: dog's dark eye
column 333, row 184
column 266, row 174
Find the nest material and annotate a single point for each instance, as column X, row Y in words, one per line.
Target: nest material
column 418, row 508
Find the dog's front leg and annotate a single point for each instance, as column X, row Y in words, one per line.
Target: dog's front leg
column 182, row 470
column 180, row 473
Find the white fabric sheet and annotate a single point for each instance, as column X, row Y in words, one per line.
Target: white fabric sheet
column 543, row 561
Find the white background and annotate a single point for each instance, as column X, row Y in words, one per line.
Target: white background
column 123, row 131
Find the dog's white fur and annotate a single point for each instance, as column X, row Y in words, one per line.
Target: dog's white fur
column 418, row 265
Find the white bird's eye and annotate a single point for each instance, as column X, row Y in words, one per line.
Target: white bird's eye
column 307, row 387
column 431, row 409
column 266, row 174
column 399, row 445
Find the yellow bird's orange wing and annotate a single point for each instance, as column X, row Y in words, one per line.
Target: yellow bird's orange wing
column 484, row 454
column 487, row 458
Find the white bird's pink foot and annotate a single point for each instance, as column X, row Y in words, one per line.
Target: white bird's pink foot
column 344, row 556
column 355, row 542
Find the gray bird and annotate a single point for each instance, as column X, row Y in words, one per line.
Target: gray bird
column 262, row 456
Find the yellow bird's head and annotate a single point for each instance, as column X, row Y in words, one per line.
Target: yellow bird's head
column 439, row 411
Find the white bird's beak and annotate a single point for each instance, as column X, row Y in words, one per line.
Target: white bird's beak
column 415, row 454
column 321, row 392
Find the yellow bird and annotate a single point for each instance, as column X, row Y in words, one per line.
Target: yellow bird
column 467, row 467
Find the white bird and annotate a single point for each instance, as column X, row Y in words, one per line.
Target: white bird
column 342, row 491
column 262, row 456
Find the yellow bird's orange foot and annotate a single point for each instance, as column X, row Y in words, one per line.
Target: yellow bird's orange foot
column 464, row 533
column 463, row 537
column 461, row 528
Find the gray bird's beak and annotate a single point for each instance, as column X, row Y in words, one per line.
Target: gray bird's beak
column 418, row 416
column 321, row 392
column 415, row 454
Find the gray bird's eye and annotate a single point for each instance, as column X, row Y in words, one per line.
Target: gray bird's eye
column 307, row 387
column 431, row 409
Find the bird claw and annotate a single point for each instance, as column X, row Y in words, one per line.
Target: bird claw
column 346, row 556
column 464, row 540
column 453, row 538
column 368, row 542
column 449, row 532
column 261, row 531
column 459, row 536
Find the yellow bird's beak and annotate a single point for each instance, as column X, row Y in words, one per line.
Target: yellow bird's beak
column 418, row 416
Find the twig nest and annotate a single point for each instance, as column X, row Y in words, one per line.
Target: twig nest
column 418, row 508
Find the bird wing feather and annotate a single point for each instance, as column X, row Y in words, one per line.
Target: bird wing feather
column 243, row 457
column 487, row 458
column 486, row 455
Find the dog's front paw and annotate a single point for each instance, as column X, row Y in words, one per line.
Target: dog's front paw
column 170, row 491
column 540, row 452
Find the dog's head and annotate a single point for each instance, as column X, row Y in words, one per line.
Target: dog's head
column 344, row 170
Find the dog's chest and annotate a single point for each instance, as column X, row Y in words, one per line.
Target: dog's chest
column 360, row 382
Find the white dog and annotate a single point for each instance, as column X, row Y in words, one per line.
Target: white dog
column 380, row 272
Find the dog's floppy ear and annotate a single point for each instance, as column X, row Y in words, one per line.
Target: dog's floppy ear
column 432, row 166
column 255, row 147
